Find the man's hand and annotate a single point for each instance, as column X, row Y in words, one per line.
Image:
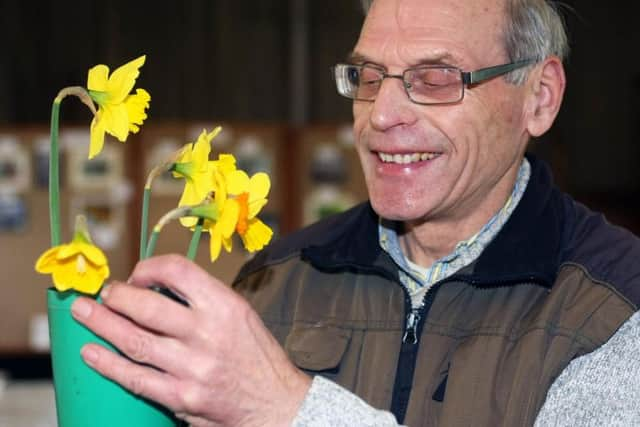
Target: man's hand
column 212, row 363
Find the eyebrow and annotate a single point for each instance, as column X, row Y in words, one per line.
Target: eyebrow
column 441, row 57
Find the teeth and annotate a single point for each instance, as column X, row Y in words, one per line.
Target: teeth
column 404, row 159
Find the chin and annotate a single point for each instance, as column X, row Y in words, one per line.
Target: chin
column 397, row 209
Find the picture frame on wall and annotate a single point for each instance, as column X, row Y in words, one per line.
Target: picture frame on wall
column 100, row 173
column 13, row 213
column 253, row 156
column 165, row 184
column 15, row 166
column 105, row 217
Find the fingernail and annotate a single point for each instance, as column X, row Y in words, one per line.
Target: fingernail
column 90, row 356
column 81, row 309
column 104, row 293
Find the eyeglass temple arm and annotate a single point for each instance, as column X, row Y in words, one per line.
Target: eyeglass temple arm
column 483, row 74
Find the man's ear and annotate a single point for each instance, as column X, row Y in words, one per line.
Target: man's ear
column 547, row 81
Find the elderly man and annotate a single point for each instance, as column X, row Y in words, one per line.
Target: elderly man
column 456, row 296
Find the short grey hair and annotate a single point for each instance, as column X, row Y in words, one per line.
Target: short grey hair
column 534, row 29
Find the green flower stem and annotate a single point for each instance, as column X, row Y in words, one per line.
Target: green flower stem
column 195, row 240
column 203, row 211
column 54, row 176
column 152, row 242
column 54, row 157
column 144, row 220
column 176, row 213
column 155, row 172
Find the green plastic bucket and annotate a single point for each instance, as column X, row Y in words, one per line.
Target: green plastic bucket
column 84, row 397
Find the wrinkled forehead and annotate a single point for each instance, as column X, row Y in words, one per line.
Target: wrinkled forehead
column 460, row 27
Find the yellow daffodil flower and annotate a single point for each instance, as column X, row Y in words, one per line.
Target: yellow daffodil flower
column 119, row 111
column 251, row 196
column 194, row 166
column 77, row 265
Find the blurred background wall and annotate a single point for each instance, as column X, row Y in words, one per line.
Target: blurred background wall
column 260, row 68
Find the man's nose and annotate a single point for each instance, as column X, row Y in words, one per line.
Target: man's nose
column 392, row 106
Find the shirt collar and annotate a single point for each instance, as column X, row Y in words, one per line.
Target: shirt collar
column 464, row 253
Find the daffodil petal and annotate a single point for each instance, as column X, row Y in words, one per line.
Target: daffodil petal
column 228, row 218
column 92, row 281
column 47, row 261
column 68, row 250
column 94, row 254
column 237, row 182
column 64, row 276
column 225, row 164
column 98, row 78
column 214, row 132
column 123, row 79
column 259, row 186
column 195, row 191
column 116, row 121
column 255, row 207
column 215, row 242
column 227, row 243
column 97, row 136
column 201, row 150
column 184, row 155
column 220, row 189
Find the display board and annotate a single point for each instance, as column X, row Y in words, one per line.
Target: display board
column 100, row 189
column 314, row 172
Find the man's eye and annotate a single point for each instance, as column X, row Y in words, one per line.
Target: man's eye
column 369, row 76
column 354, row 76
column 437, row 77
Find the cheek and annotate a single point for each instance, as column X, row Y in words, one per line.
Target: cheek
column 360, row 116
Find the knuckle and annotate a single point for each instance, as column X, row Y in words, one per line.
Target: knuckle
column 148, row 314
column 235, row 309
column 139, row 346
column 136, row 384
column 180, row 263
column 190, row 397
column 210, row 371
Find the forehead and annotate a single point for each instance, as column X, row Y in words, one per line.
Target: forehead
column 411, row 31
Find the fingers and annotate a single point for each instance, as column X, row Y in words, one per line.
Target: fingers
column 149, row 309
column 162, row 352
column 183, row 277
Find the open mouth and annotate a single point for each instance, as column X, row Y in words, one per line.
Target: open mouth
column 407, row 158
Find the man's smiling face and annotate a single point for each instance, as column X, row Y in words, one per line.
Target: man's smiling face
column 442, row 162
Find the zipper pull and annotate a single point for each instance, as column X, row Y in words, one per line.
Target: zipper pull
column 410, row 334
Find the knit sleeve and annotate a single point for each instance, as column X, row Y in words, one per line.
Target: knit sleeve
column 601, row 388
column 329, row 405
